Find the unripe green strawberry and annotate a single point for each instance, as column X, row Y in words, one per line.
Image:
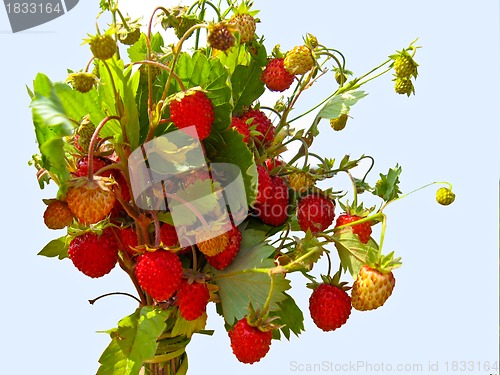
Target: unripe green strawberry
column 220, row 37
column 339, row 123
column 300, row 181
column 82, row 81
column 184, row 23
column 371, row 288
column 85, row 131
column 103, row 46
column 445, row 196
column 405, row 66
column 57, row 215
column 130, row 36
column 299, row 60
column 246, row 25
column 404, row 86
column 340, row 78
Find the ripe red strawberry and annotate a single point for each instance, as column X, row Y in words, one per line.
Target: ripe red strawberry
column 262, row 124
column 274, row 165
column 94, row 255
column 192, row 299
column 57, row 215
column 275, row 77
column 363, row 230
column 193, row 108
column 241, row 127
column 264, row 185
column 249, row 343
column 223, row 259
column 82, row 166
column 220, row 37
column 316, row 213
column 246, row 25
column 90, row 201
column 274, row 210
column 168, row 235
column 372, row 288
column 330, row 307
column 159, row 274
column 129, row 240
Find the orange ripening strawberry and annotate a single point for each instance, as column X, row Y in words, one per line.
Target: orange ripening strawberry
column 90, row 201
column 223, row 259
column 57, row 215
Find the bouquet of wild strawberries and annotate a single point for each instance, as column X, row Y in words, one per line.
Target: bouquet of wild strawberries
column 168, row 165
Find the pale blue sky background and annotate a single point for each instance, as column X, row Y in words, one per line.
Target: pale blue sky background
column 445, row 305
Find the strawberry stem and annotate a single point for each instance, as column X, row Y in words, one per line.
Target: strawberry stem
column 93, row 141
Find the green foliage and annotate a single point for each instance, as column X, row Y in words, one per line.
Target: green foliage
column 290, row 317
column 228, row 147
column 247, row 280
column 247, row 85
column 387, row 187
column 133, row 342
column 341, row 104
column 353, row 254
column 51, row 126
column 55, row 248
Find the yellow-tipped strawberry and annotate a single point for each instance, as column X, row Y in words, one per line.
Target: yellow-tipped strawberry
column 102, row 46
column 90, row 200
column 375, row 283
column 299, row 60
column 300, row 181
column 445, row 196
column 82, row 81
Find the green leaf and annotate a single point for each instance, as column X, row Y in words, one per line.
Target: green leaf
column 228, row 147
column 138, row 51
column 186, row 328
column 387, row 187
column 247, row 85
column 55, row 248
column 341, row 104
column 133, row 342
column 353, row 254
column 239, row 284
column 51, row 126
column 127, row 85
column 290, row 316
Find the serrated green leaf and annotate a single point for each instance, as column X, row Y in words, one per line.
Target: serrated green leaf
column 341, row 104
column 186, row 328
column 138, row 51
column 239, row 285
column 247, row 85
column 353, row 254
column 127, row 85
column 228, row 147
column 387, row 187
column 234, row 57
column 290, row 316
column 51, row 126
column 133, row 342
column 55, row 248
